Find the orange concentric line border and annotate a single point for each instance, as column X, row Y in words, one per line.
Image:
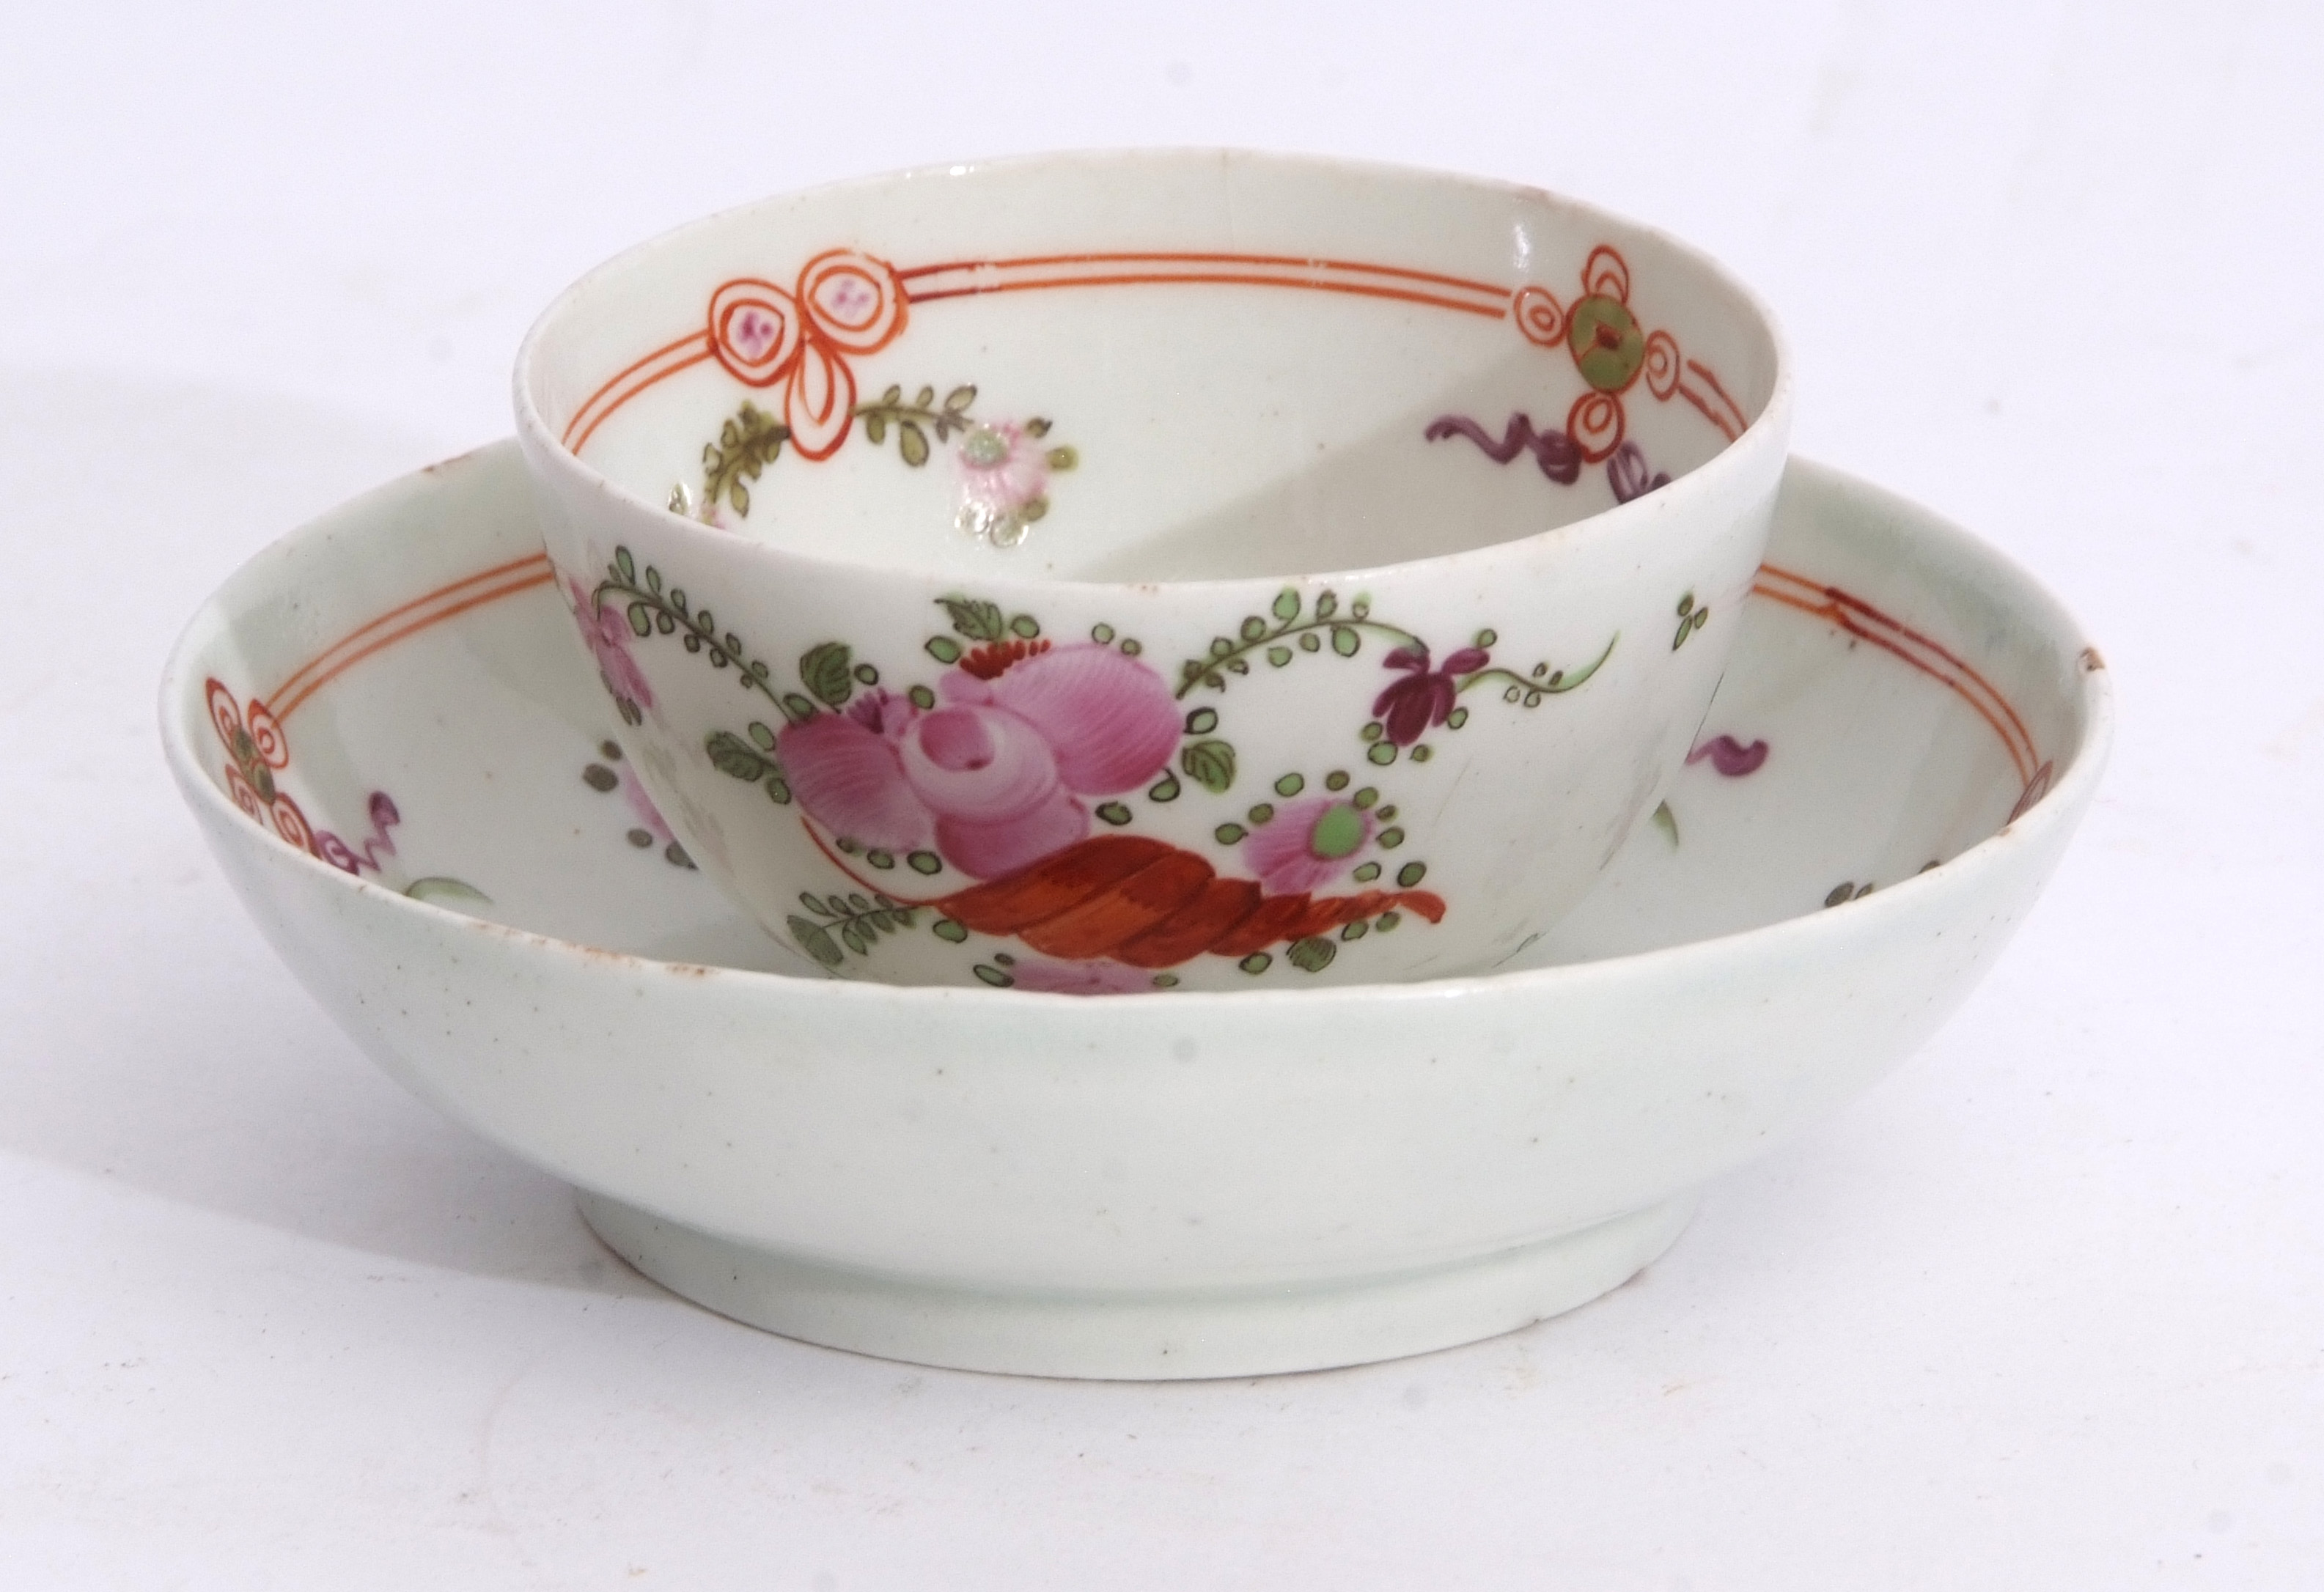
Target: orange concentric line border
column 472, row 591
column 1862, row 620
column 968, row 279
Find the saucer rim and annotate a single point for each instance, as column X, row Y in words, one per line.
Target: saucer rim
column 2081, row 763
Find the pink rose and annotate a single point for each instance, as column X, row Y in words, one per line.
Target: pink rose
column 1307, row 845
column 993, row 774
column 606, row 633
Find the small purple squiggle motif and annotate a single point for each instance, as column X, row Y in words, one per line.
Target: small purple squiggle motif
column 1629, row 475
column 1552, row 450
column 1729, row 756
column 345, row 857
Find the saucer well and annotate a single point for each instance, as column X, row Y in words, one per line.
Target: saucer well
column 394, row 742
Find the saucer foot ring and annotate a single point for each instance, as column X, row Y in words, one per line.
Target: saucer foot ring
column 1140, row 1336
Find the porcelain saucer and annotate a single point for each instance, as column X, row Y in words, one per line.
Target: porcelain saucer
column 395, row 744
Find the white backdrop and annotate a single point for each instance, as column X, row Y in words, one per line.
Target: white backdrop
column 2042, row 1312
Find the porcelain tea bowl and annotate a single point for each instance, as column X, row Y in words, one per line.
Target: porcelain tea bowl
column 1165, row 569
column 431, row 813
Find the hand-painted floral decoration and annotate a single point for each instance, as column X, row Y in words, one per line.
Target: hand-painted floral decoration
column 1003, row 779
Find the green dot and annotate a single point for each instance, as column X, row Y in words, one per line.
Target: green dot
column 946, row 929
column 1389, row 920
column 1166, row 980
column 1339, row 832
column 1227, row 834
column 1026, row 625
column 922, row 697
column 1458, row 717
column 1391, row 838
column 1422, row 752
column 1165, row 789
column 1202, row 722
column 993, row 976
column 944, row 649
column 925, row 862
column 1290, row 784
column 1383, row 752
column 1371, row 731
column 880, row 859
column 1607, row 345
column 1258, row 961
column 1356, row 930
column 1487, row 638
column 1365, row 797
column 866, row 675
column 1004, row 959
column 1386, row 814
column 1411, row 874
column 1262, row 813
column 1367, row 873
column 1130, row 648
column 597, row 776
column 1337, row 779
column 1511, row 694
column 849, row 846
column 1113, row 812
column 1102, row 633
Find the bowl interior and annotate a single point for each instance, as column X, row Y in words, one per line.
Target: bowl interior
column 397, row 690
column 1149, row 366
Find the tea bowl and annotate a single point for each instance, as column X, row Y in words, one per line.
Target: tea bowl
column 1166, row 569
column 431, row 813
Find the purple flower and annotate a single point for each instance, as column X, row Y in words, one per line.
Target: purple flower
column 606, row 633
column 1424, row 697
column 1307, row 845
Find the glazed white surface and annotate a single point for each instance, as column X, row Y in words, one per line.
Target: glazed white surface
column 2039, row 1311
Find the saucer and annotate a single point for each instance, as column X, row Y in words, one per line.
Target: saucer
column 397, row 749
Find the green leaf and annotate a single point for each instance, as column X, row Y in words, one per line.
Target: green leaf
column 944, row 649
column 1113, row 812
column 875, row 428
column 1278, row 656
column 797, row 709
column 946, row 929
column 979, row 621
column 1286, row 605
column 927, row 396
column 1202, row 721
column 730, row 755
column 626, row 564
column 761, row 736
column 815, row 942
column 1025, row 625
column 1344, row 642
column 912, row 443
column 641, row 620
column 853, row 936
column 1253, row 628
column 1210, row 764
column 823, row 670
column 959, row 398
column 1311, row 955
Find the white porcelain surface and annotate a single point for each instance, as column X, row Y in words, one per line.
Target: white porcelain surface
column 1169, row 567
column 1185, row 1185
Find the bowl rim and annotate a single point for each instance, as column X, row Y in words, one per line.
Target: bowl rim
column 2078, row 767
column 1770, row 428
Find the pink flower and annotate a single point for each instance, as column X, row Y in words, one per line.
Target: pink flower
column 1004, row 482
column 1307, row 845
column 1099, row 977
column 605, row 629
column 993, row 774
column 1424, row 697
